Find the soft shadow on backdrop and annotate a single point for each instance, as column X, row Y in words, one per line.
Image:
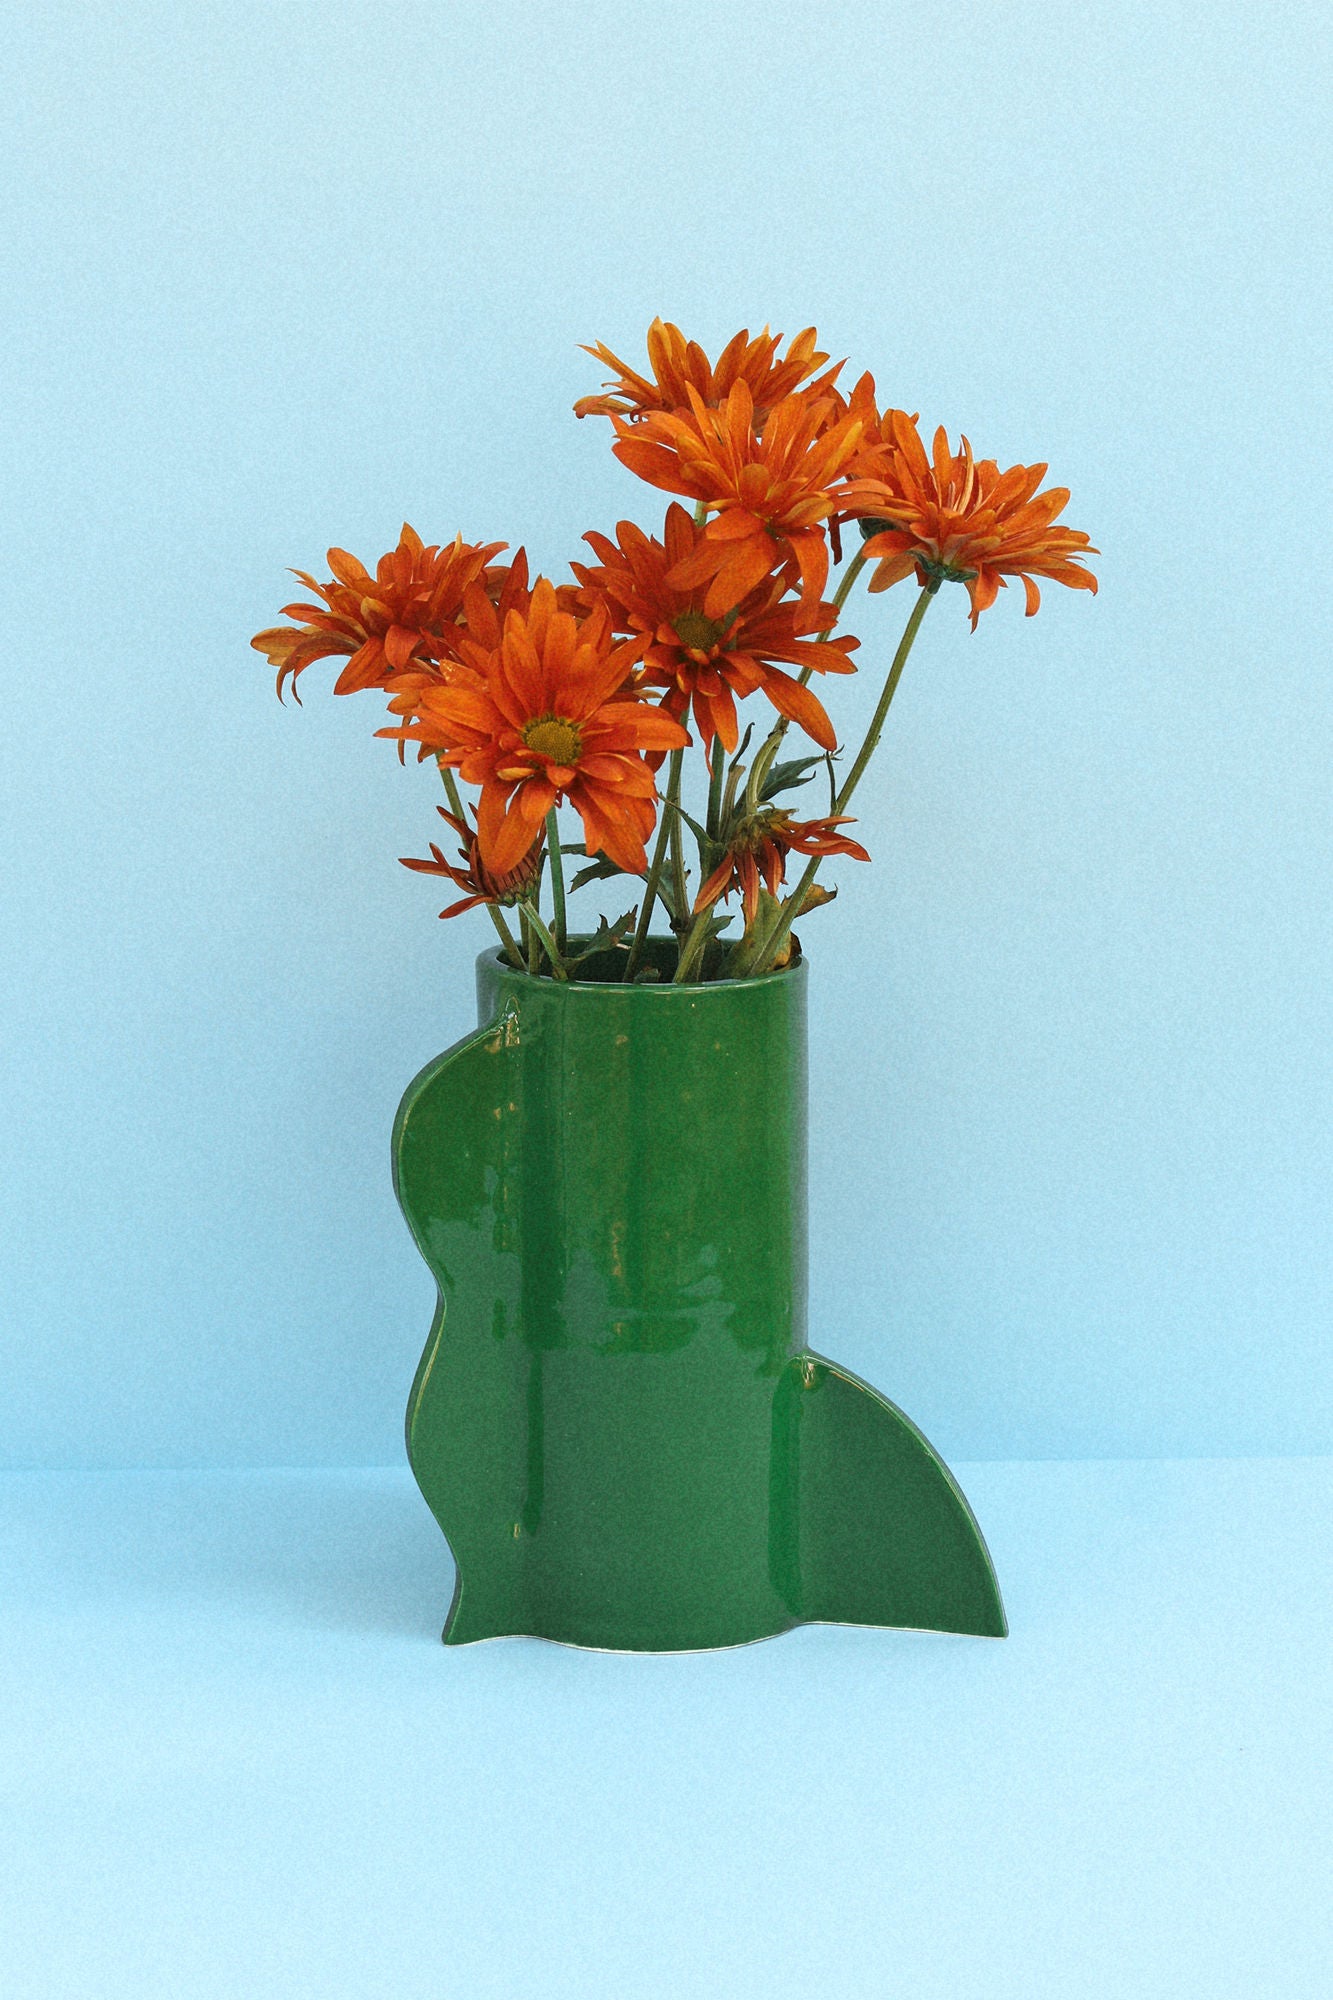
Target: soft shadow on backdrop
column 284, row 275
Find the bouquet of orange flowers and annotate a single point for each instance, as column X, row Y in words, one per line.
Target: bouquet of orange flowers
column 541, row 695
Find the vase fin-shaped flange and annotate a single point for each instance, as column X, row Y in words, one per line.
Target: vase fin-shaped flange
column 464, row 1111
column 869, row 1525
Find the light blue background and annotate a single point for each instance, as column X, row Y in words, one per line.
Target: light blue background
column 241, row 1766
column 281, row 275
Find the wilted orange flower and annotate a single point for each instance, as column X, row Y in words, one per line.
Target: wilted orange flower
column 953, row 518
column 482, row 884
column 679, row 366
column 757, row 853
column 550, row 719
column 384, row 622
column 768, row 494
column 709, row 662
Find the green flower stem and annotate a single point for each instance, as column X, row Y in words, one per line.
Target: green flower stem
column 772, row 944
column 717, row 772
column 505, row 935
column 773, row 741
column 507, row 941
column 693, row 945
column 853, row 570
column 557, row 880
column 679, row 892
column 553, row 952
column 452, row 793
column 905, row 644
column 698, row 934
column 655, row 869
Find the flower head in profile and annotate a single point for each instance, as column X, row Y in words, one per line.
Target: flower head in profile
column 757, row 850
column 386, row 623
column 679, row 366
column 953, row 518
column 708, row 664
column 549, row 717
column 480, row 883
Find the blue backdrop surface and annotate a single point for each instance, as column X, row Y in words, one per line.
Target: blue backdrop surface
column 283, row 275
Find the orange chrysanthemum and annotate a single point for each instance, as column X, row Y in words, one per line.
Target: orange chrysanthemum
column 757, row 853
column 472, row 634
column 768, row 495
column 386, row 623
column 953, row 518
column 704, row 662
column 876, row 426
column 680, row 365
column 550, row 719
column 482, row 884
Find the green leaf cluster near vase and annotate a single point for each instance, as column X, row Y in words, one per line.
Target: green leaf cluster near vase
column 617, row 1420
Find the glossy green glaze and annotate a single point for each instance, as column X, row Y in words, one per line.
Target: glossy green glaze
column 616, row 1421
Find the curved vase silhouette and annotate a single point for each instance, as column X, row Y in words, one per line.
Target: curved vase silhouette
column 616, row 1420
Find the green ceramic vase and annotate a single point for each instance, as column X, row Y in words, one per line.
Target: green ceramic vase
column 616, row 1421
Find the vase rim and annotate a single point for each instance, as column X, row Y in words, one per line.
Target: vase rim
column 494, row 958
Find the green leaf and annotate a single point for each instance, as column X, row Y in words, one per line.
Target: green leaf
column 596, row 871
column 608, row 937
column 699, row 832
column 785, row 777
column 766, row 914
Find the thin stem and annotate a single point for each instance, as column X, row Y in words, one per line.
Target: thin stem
column 853, row 570
column 553, row 952
column 698, row 933
column 772, row 944
column 718, row 768
column 905, row 644
column 679, row 891
column 773, row 743
column 503, row 932
column 734, row 776
column 557, row 879
column 655, row 868
column 507, row 941
column 760, row 770
column 693, row 945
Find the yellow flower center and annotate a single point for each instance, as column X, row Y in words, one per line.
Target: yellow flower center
column 551, row 736
column 697, row 633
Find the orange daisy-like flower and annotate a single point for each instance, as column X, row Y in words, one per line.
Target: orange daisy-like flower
column 387, row 622
column 768, row 495
column 757, row 853
column 550, row 719
column 481, row 883
column 953, row 518
column 474, row 634
column 471, row 635
column 704, row 662
column 680, row 365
